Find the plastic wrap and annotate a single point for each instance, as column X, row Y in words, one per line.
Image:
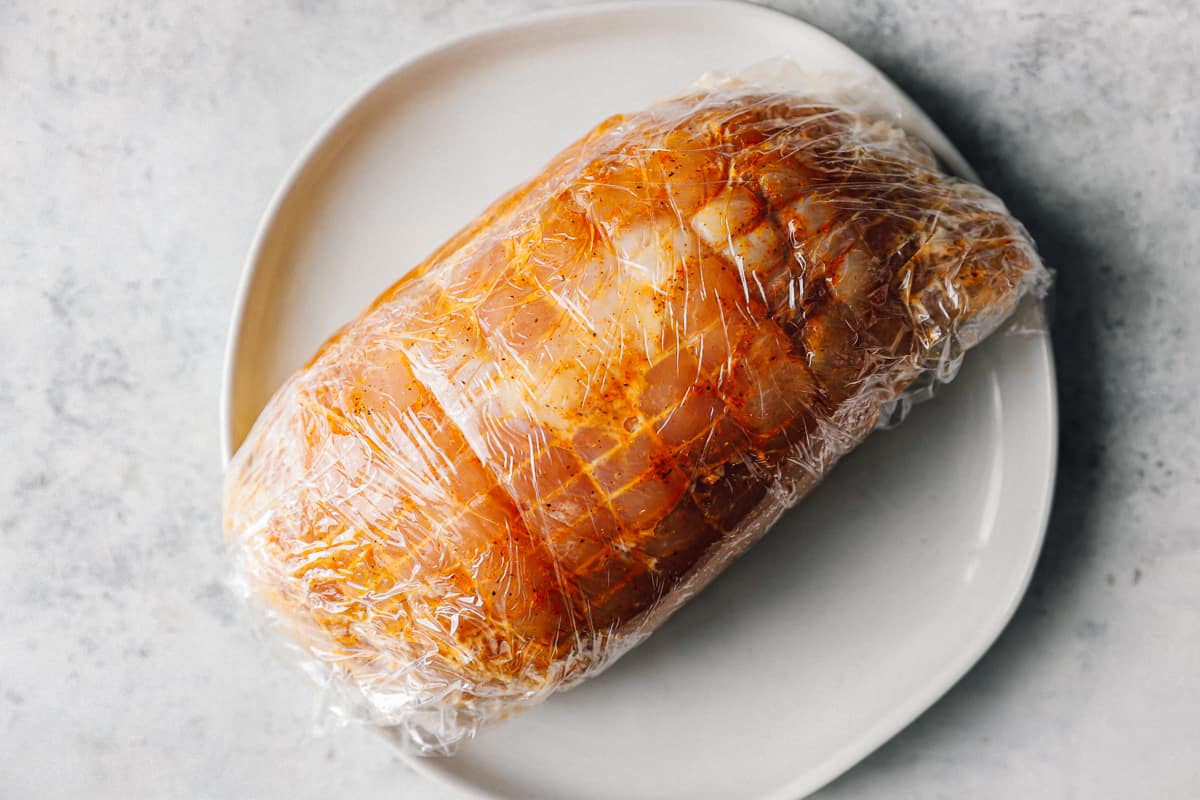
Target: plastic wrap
column 527, row 453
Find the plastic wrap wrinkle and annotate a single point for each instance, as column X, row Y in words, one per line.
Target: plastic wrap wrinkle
column 533, row 448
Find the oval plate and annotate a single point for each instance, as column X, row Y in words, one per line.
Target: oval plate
column 863, row 605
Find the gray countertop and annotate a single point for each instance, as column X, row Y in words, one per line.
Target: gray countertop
column 139, row 144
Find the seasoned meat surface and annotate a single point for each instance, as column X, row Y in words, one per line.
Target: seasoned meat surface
column 525, row 454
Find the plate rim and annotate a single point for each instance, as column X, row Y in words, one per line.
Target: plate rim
column 901, row 714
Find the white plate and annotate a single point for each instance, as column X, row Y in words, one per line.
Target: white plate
column 857, row 612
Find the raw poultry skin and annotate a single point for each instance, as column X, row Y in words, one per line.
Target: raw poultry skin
column 529, row 451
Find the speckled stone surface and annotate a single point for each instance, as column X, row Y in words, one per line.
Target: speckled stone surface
column 140, row 142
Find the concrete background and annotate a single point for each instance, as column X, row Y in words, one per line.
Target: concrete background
column 139, row 144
